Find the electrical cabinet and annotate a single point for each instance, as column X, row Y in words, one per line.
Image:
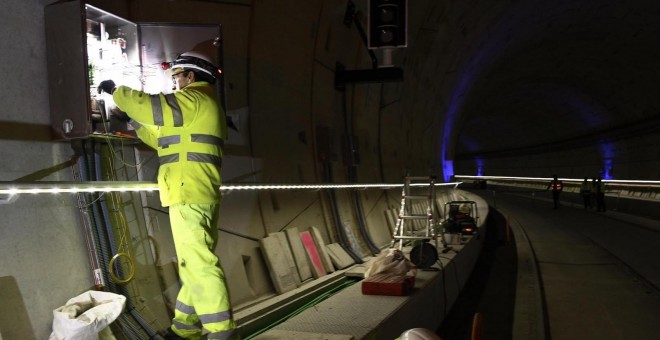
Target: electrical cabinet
column 86, row 45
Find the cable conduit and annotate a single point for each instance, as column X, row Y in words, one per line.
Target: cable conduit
column 363, row 227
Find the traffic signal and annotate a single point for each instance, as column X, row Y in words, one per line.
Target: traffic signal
column 387, row 23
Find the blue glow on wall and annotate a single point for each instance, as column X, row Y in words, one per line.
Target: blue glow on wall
column 480, row 167
column 607, row 169
column 447, row 169
column 608, row 154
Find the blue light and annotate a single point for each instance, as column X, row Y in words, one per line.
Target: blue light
column 607, row 169
column 480, row 166
column 608, row 154
column 447, row 169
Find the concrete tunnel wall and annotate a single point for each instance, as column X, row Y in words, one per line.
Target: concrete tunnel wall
column 280, row 59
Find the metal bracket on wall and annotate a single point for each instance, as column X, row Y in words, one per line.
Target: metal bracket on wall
column 377, row 75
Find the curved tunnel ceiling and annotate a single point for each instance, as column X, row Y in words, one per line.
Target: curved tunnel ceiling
column 560, row 73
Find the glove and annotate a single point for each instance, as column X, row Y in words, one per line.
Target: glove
column 107, row 86
column 120, row 115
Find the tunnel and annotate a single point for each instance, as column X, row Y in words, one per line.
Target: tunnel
column 329, row 115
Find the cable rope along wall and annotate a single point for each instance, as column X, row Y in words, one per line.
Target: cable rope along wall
column 341, row 233
column 123, row 259
column 363, row 225
column 95, row 203
column 13, row 188
column 79, row 173
column 116, row 210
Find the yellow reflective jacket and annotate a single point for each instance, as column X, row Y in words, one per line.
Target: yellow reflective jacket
column 188, row 129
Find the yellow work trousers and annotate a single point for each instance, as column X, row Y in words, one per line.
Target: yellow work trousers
column 203, row 300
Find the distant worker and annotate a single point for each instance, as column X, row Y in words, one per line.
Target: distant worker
column 600, row 195
column 594, row 185
column 556, row 186
column 188, row 129
column 585, row 192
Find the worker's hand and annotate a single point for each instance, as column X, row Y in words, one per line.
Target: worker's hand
column 119, row 114
column 107, row 86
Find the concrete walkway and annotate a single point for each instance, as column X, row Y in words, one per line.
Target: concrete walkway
column 598, row 273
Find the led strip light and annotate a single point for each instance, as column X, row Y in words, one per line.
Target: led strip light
column 13, row 188
column 536, row 179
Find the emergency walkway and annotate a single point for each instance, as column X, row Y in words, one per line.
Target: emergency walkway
column 349, row 314
column 580, row 274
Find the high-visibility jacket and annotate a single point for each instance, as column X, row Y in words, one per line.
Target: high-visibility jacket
column 188, row 129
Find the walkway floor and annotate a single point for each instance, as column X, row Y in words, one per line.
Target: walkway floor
column 599, row 272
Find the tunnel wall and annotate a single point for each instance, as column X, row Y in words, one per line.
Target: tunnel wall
column 280, row 60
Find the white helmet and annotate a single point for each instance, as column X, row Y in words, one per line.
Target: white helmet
column 419, row 334
column 195, row 61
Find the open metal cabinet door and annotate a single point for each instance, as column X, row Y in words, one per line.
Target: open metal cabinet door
column 162, row 42
column 86, row 45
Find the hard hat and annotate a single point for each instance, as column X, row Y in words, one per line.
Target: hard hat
column 195, row 61
column 419, row 334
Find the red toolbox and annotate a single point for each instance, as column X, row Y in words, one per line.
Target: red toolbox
column 388, row 284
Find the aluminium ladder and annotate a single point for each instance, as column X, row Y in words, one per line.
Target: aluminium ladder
column 413, row 222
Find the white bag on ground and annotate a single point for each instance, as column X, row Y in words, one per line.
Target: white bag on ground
column 86, row 315
column 390, row 261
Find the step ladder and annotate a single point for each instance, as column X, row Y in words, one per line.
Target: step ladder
column 417, row 221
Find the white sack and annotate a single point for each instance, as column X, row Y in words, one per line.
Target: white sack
column 85, row 315
column 390, row 261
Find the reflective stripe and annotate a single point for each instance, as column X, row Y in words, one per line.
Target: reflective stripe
column 208, row 139
column 182, row 326
column 193, row 157
column 204, row 158
column 177, row 117
column 222, row 335
column 182, row 307
column 165, row 142
column 215, row 317
column 135, row 124
column 168, row 159
column 157, row 110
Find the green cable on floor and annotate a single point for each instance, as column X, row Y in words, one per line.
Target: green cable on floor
column 301, row 309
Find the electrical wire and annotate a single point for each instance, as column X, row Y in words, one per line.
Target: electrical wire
column 304, row 307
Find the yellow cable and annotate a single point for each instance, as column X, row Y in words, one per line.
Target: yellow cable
column 131, row 265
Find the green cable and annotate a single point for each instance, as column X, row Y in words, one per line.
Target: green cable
column 301, row 309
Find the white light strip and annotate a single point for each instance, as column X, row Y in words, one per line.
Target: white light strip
column 549, row 179
column 13, row 188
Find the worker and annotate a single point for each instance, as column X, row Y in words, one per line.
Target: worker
column 594, row 185
column 600, row 195
column 188, row 129
column 557, row 186
column 585, row 192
